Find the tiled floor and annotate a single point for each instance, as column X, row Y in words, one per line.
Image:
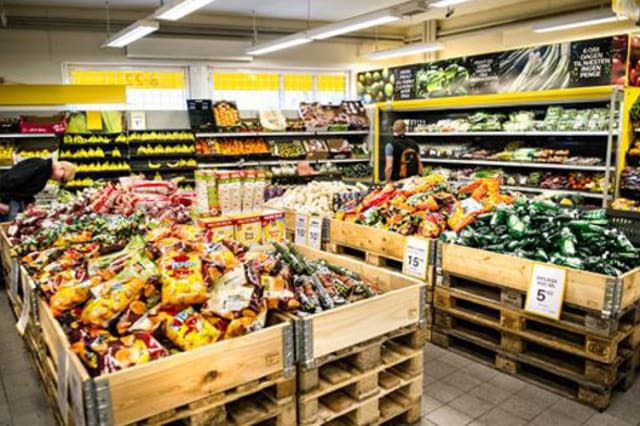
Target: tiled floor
column 457, row 392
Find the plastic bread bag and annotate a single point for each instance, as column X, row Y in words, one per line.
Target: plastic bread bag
column 134, row 349
column 182, row 279
column 112, row 298
column 187, row 329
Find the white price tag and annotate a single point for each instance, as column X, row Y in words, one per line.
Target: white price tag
column 314, row 235
column 300, row 236
column 138, row 120
column 15, row 275
column 77, row 397
column 546, row 291
column 63, row 378
column 26, row 307
column 416, row 258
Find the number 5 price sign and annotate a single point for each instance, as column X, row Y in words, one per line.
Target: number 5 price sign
column 546, row 291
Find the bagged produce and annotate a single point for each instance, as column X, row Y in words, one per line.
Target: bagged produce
column 182, row 280
column 187, row 329
column 112, row 298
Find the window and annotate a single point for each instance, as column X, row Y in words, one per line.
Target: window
column 148, row 88
column 261, row 90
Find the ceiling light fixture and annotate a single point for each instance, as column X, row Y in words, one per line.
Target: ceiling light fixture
column 279, row 44
column 447, row 3
column 411, row 49
column 178, row 9
column 577, row 20
column 354, row 24
column 133, row 32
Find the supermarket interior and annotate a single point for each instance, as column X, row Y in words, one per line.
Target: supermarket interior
column 320, row 212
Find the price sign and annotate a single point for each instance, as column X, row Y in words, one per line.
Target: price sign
column 77, row 397
column 15, row 274
column 63, row 378
column 26, row 307
column 300, row 236
column 138, row 120
column 314, row 235
column 546, row 291
column 416, row 258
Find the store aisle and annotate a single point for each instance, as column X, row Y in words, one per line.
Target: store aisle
column 457, row 391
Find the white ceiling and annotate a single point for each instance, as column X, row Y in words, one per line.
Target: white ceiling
column 325, row 10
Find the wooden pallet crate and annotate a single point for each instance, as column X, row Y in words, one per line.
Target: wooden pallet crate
column 572, row 386
column 606, row 297
column 226, row 375
column 370, row 383
column 521, row 326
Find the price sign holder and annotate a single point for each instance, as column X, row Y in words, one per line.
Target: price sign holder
column 26, row 307
column 14, row 278
column 314, row 234
column 546, row 291
column 416, row 258
column 300, row 236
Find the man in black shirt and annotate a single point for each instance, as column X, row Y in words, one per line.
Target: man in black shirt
column 402, row 155
column 19, row 184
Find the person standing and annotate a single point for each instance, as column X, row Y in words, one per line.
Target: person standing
column 24, row 180
column 402, row 155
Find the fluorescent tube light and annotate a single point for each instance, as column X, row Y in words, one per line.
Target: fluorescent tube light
column 410, row 49
column 133, row 32
column 585, row 19
column 353, row 24
column 178, row 9
column 447, row 3
column 279, row 44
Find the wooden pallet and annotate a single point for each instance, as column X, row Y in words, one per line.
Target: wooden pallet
column 518, row 327
column 572, row 316
column 369, row 383
column 468, row 344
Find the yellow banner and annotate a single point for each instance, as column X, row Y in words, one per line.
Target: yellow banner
column 245, row 81
column 303, row 82
column 140, row 79
column 60, row 94
column 332, row 83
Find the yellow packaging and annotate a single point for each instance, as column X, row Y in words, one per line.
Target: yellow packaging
column 273, row 227
column 248, row 230
column 218, row 229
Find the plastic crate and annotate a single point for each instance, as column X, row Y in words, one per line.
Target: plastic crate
column 628, row 222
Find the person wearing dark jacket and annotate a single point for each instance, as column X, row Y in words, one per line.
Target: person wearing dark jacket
column 402, row 155
column 23, row 181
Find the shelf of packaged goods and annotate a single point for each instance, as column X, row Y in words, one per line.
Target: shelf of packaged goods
column 585, row 194
column 524, row 133
column 279, row 134
column 278, row 163
column 26, row 135
column 532, row 165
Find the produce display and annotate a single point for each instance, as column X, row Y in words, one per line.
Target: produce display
column 151, row 150
column 634, row 152
column 356, row 171
column 6, row 154
column 80, row 183
column 377, row 86
column 229, row 192
column 107, row 166
column 232, row 146
column 174, row 164
column 286, row 149
column 356, row 114
column 23, row 154
column 630, row 179
column 160, row 136
column 425, row 206
column 314, row 116
column 544, row 231
column 226, row 114
column 316, row 149
column 625, row 205
column 557, row 118
column 315, row 198
column 69, row 139
column 436, row 81
column 273, row 121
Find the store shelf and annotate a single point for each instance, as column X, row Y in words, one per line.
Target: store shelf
column 531, row 165
column 26, row 135
column 529, row 133
column 279, row 134
column 278, row 162
column 5, row 167
column 585, row 194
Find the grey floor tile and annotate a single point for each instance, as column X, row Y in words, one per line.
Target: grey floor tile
column 456, row 360
column 539, row 395
column 522, row 408
column 605, row 419
column 428, row 379
column 442, row 392
column 429, row 404
column 34, row 418
column 462, row 380
column 499, row 417
column 480, row 371
column 432, row 351
column 554, row 418
column 471, row 406
column 22, row 385
column 506, row 382
column 490, row 393
column 476, row 423
column 439, row 368
column 574, row 410
column 447, row 416
column 625, row 406
column 426, row 422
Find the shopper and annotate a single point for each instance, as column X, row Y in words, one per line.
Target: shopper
column 402, row 155
column 19, row 184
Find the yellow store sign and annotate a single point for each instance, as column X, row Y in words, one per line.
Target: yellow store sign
column 140, row 79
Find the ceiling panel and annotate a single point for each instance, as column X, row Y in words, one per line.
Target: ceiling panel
column 329, row 10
